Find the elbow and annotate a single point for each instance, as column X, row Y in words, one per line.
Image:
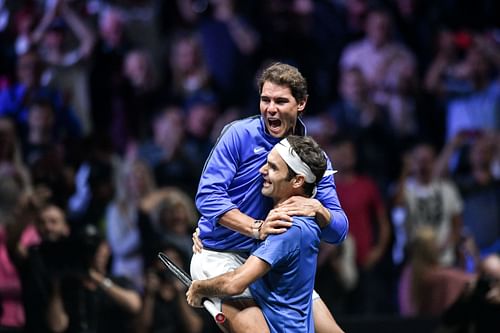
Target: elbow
column 135, row 305
column 235, row 286
column 235, row 289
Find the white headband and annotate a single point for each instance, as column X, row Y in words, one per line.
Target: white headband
column 294, row 162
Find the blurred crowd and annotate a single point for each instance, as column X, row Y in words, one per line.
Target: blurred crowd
column 109, row 109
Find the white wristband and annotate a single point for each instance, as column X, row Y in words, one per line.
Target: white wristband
column 107, row 283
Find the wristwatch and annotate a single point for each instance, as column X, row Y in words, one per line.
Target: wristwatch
column 257, row 224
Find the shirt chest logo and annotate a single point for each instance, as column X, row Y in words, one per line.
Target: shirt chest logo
column 258, row 150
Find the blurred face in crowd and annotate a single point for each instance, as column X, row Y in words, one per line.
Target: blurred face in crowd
column 356, row 7
column 168, row 127
column 423, row 162
column 184, row 56
column 101, row 257
column 200, row 120
column 53, row 39
column 482, row 153
column 29, row 69
column 279, row 109
column 353, row 85
column 446, row 42
column 137, row 68
column 476, row 63
column 41, row 117
column 343, row 156
column 378, row 28
column 175, row 219
column 111, row 27
column 53, row 225
column 139, row 180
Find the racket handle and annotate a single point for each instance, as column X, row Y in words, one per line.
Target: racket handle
column 218, row 316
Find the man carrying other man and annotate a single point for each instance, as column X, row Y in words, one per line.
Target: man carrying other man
column 235, row 214
column 281, row 270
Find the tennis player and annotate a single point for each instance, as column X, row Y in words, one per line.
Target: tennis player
column 280, row 271
column 235, row 214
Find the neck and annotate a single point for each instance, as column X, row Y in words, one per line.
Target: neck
column 279, row 201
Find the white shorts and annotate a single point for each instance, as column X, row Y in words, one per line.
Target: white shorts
column 209, row 264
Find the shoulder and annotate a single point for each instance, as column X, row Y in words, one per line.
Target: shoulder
column 304, row 224
column 240, row 128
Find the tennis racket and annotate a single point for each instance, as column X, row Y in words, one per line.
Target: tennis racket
column 218, row 316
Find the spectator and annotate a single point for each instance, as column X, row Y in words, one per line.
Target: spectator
column 65, row 71
column 430, row 201
column 356, row 114
column 228, row 41
column 478, row 187
column 426, row 287
column 106, row 77
column 141, row 92
column 166, row 152
column 17, row 233
column 165, row 308
column 16, row 99
column 478, row 306
column 11, row 163
column 42, row 263
column 378, row 55
column 122, row 218
column 368, row 225
column 473, row 107
column 175, row 218
column 337, row 275
column 187, row 71
column 89, row 300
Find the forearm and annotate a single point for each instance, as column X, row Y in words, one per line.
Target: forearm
column 146, row 317
column 57, row 318
column 84, row 34
column 220, row 286
column 127, row 299
column 238, row 221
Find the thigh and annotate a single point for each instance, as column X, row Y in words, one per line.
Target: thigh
column 243, row 316
column 323, row 319
column 209, row 264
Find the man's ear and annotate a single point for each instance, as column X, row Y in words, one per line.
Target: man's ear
column 302, row 105
column 298, row 181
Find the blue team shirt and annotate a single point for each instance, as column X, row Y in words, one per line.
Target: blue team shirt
column 284, row 293
column 231, row 179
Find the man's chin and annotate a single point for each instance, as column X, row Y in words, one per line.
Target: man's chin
column 276, row 133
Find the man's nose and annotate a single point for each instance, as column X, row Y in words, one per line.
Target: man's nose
column 273, row 107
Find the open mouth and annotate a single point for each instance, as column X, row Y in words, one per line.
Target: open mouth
column 274, row 124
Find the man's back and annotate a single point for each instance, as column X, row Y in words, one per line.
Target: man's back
column 284, row 294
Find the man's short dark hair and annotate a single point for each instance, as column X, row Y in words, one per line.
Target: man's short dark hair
column 311, row 154
column 285, row 75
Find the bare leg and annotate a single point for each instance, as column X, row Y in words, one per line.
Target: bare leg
column 243, row 316
column 323, row 319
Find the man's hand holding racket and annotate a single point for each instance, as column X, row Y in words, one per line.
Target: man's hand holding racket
column 194, row 298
